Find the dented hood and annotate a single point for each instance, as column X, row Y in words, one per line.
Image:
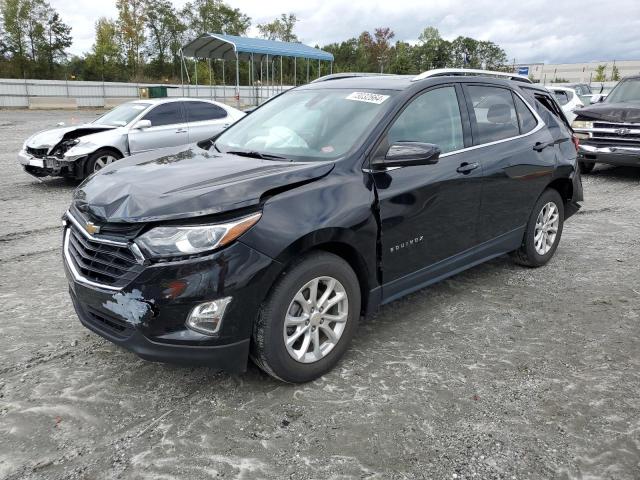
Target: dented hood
column 50, row 138
column 186, row 181
column 627, row 112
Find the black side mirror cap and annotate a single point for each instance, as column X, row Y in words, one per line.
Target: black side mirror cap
column 409, row 154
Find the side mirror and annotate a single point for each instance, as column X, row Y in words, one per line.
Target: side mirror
column 141, row 124
column 597, row 98
column 409, row 154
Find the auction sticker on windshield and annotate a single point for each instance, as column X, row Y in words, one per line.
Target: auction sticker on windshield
column 367, row 97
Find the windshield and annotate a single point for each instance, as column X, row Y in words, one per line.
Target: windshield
column 626, row 91
column 307, row 124
column 122, row 115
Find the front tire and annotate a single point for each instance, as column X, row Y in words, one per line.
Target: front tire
column 586, row 167
column 100, row 159
column 308, row 319
column 543, row 231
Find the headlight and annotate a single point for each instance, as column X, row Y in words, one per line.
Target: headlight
column 581, row 124
column 171, row 241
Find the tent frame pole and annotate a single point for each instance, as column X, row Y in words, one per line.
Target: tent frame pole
column 295, row 71
column 237, row 80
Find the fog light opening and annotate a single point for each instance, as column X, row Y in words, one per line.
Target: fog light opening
column 206, row 317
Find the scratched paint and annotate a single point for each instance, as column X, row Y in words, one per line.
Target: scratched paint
column 129, row 305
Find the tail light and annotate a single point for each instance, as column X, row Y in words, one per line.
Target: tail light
column 576, row 142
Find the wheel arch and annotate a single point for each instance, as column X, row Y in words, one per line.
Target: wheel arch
column 564, row 186
column 106, row 148
column 337, row 242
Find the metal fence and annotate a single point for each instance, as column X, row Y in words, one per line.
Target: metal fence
column 16, row 93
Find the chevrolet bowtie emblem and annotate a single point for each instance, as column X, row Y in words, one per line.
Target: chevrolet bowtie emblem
column 91, row 228
column 623, row 131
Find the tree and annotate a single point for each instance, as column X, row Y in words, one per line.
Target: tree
column 402, row 62
column 57, row 38
column 280, row 29
column 601, row 73
column 106, row 60
column 615, row 73
column 165, row 32
column 131, row 23
column 214, row 16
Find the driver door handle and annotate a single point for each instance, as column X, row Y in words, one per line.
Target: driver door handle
column 181, row 130
column 466, row 168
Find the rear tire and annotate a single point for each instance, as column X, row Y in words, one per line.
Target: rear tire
column 100, row 159
column 586, row 167
column 543, row 232
column 308, row 320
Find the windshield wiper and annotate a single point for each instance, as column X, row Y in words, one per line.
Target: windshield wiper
column 254, row 154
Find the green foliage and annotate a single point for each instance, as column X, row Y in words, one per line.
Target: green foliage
column 615, row 73
column 33, row 38
column 601, row 73
column 280, row 29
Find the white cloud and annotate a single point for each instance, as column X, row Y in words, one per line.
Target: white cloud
column 543, row 30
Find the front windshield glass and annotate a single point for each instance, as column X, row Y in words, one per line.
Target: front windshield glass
column 627, row 91
column 308, row 124
column 122, row 114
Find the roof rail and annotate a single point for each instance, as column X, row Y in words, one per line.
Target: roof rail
column 337, row 76
column 442, row 72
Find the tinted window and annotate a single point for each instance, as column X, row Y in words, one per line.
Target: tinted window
column 495, row 114
column 561, row 97
column 433, row 117
column 199, row 111
column 165, row 114
column 527, row 121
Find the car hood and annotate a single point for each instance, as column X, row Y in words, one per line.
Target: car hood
column 50, row 138
column 187, row 181
column 612, row 112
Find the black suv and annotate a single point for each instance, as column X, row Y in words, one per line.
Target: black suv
column 274, row 238
column 609, row 130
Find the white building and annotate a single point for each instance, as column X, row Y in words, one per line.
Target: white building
column 578, row 72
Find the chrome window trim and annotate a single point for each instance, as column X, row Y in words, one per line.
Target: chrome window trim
column 77, row 275
column 540, row 125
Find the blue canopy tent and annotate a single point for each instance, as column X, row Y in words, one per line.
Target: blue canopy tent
column 232, row 47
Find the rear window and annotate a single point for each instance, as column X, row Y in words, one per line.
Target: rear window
column 527, row 120
column 200, row 111
column 494, row 112
column 561, row 96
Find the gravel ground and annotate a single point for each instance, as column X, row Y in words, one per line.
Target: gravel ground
column 499, row 372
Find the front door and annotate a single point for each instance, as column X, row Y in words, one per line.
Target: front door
column 168, row 129
column 428, row 213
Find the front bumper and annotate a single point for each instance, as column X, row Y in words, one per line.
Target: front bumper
column 612, row 155
column 148, row 315
column 48, row 166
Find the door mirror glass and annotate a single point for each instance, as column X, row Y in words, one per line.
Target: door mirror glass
column 407, row 154
column 141, row 124
column 597, row 98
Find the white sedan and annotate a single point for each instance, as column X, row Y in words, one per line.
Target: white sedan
column 568, row 99
column 133, row 127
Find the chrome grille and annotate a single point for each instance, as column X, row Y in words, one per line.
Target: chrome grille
column 108, row 264
column 624, row 132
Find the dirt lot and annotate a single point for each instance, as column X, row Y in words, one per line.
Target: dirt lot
column 500, row 372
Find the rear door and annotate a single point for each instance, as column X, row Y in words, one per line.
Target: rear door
column 168, row 129
column 509, row 140
column 428, row 213
column 205, row 120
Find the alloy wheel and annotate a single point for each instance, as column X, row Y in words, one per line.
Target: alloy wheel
column 546, row 228
column 316, row 319
column 103, row 161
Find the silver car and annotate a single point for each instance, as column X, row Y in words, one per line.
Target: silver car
column 130, row 128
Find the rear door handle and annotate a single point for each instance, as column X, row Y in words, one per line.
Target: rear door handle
column 466, row 168
column 539, row 146
column 181, row 130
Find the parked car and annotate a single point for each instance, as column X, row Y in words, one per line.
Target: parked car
column 273, row 238
column 583, row 90
column 609, row 131
column 568, row 100
column 130, row 128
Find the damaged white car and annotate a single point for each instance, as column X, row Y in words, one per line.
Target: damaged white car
column 134, row 127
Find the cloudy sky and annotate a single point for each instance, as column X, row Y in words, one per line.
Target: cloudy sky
column 552, row 31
